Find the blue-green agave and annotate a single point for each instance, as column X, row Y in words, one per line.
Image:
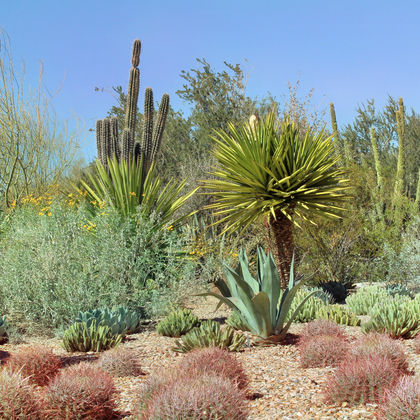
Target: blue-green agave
column 260, row 301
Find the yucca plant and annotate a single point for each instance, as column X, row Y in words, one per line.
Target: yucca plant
column 260, row 301
column 122, row 186
column 268, row 170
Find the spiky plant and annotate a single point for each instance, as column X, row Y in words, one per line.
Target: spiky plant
column 125, row 175
column 270, row 171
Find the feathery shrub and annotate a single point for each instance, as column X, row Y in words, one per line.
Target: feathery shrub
column 383, row 345
column 321, row 327
column 37, row 363
column 214, row 360
column 120, row 362
column 361, row 380
column 18, row 397
column 202, row 397
column 322, row 351
column 402, row 402
column 81, row 392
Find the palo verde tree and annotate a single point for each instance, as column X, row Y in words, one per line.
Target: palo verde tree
column 269, row 171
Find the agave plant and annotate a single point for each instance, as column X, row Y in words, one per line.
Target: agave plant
column 268, row 170
column 260, row 301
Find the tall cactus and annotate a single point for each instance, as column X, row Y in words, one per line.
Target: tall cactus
column 399, row 181
column 378, row 164
column 107, row 137
column 336, row 134
column 418, row 192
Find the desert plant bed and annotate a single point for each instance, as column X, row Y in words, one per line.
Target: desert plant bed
column 279, row 388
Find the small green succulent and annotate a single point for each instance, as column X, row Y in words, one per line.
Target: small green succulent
column 308, row 311
column 339, row 315
column 209, row 334
column 120, row 320
column 178, row 323
column 93, row 337
column 365, row 299
column 398, row 317
column 3, row 330
column 237, row 322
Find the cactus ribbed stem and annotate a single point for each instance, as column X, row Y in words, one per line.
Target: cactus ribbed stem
column 418, row 192
column 148, row 124
column 160, row 125
column 399, row 181
column 378, row 164
column 99, row 137
column 107, row 138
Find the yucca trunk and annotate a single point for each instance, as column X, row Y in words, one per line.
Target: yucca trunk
column 280, row 236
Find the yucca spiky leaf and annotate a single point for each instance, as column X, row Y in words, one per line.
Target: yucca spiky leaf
column 270, row 167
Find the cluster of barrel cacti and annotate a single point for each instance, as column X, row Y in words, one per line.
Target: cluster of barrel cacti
column 108, row 141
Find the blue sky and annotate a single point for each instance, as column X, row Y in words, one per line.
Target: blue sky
column 348, row 51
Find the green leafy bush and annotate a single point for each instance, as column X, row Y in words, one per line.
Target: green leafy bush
column 399, row 317
column 178, row 323
column 121, row 320
column 209, row 334
column 53, row 267
column 81, row 337
column 365, row 299
column 338, row 314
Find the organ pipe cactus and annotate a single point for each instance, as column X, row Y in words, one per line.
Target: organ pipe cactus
column 107, row 133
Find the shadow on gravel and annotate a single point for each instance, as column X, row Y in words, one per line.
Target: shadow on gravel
column 74, row 360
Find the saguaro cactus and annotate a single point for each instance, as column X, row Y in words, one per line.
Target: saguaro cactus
column 107, row 138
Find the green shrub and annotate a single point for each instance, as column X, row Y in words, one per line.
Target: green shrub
column 338, row 314
column 52, row 267
column 399, row 289
column 121, row 320
column 398, row 317
column 209, row 334
column 178, row 323
column 3, row 331
column 365, row 299
column 81, row 337
column 237, row 322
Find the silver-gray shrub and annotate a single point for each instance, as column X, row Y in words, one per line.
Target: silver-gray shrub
column 52, row 267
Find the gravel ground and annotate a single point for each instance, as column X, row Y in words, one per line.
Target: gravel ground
column 282, row 389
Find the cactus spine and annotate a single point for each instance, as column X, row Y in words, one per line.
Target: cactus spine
column 399, row 181
column 108, row 142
